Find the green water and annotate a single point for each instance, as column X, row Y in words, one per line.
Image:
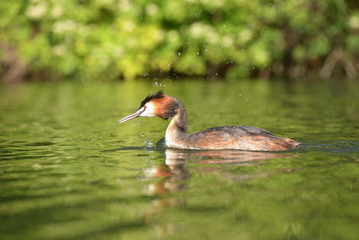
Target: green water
column 68, row 170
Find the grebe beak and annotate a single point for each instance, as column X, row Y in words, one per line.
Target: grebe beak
column 133, row 115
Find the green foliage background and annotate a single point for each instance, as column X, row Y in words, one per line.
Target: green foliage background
column 111, row 39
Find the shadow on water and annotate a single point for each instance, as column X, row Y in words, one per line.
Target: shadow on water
column 173, row 173
column 331, row 146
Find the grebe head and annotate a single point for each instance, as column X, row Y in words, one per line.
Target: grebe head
column 156, row 105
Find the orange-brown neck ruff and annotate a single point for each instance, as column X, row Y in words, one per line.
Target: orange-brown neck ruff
column 164, row 107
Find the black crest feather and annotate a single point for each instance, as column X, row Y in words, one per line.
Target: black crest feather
column 158, row 94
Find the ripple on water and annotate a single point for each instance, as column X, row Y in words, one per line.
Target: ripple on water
column 333, row 146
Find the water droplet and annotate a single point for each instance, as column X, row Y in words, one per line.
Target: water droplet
column 150, row 144
column 179, row 53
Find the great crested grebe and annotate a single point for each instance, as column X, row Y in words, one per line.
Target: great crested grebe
column 225, row 137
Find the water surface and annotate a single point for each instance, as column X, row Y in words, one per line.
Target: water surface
column 68, row 170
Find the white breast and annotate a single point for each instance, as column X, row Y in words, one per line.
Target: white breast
column 170, row 138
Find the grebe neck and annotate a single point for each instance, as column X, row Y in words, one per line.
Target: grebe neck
column 177, row 129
